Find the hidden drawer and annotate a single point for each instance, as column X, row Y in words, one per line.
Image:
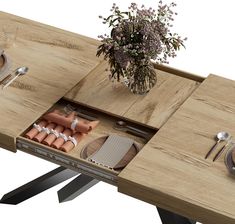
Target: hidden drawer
column 78, row 158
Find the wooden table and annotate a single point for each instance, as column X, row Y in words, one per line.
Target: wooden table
column 184, row 110
column 171, row 167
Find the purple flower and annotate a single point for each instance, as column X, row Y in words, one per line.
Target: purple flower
column 121, row 57
column 138, row 36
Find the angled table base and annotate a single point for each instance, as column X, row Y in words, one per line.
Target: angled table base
column 38, row 185
column 76, row 187
column 172, row 218
column 70, row 191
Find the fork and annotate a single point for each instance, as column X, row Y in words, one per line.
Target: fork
column 219, row 153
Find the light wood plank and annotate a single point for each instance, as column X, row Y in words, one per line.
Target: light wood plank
column 57, row 61
column 96, row 91
column 171, row 171
column 152, row 109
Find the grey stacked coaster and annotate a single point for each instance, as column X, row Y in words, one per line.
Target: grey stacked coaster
column 112, row 151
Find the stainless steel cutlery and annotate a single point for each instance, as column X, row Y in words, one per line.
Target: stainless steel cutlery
column 221, row 136
column 18, row 72
column 123, row 126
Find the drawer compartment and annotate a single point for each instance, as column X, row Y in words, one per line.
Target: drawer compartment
column 78, row 158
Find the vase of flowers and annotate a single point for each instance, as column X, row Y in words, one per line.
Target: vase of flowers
column 139, row 37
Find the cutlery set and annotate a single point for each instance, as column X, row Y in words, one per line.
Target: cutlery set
column 119, row 125
column 81, row 113
column 220, row 137
column 124, row 126
column 6, row 80
column 12, row 76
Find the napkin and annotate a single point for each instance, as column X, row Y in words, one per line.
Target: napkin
column 81, row 125
column 34, row 131
column 53, row 136
column 40, row 136
column 78, row 136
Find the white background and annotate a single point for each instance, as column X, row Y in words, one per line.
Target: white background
column 209, row 26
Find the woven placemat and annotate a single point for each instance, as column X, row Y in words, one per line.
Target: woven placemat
column 94, row 146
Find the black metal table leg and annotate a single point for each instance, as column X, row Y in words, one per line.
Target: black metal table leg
column 172, row 218
column 76, row 187
column 38, row 185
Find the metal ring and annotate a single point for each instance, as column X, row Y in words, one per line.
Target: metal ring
column 52, row 131
column 38, row 127
column 46, row 130
column 61, row 135
column 74, row 124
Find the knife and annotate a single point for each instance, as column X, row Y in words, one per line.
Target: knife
column 5, row 79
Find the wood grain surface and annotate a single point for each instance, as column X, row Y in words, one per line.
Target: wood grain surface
column 57, row 61
column 171, row 171
column 153, row 109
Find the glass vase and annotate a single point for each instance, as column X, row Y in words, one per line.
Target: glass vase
column 141, row 78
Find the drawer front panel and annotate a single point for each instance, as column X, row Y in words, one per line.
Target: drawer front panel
column 81, row 167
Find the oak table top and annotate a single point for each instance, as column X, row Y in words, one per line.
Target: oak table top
column 171, row 171
column 57, row 61
column 152, row 109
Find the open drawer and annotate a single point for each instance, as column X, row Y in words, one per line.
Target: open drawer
column 76, row 159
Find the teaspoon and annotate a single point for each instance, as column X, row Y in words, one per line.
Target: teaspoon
column 19, row 71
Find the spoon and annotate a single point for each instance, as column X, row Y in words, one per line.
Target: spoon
column 221, row 136
column 19, row 71
column 122, row 125
column 219, row 153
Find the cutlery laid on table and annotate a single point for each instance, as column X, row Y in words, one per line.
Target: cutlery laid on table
column 18, row 72
column 221, row 136
column 219, row 153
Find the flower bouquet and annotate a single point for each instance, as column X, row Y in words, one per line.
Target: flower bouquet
column 139, row 37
